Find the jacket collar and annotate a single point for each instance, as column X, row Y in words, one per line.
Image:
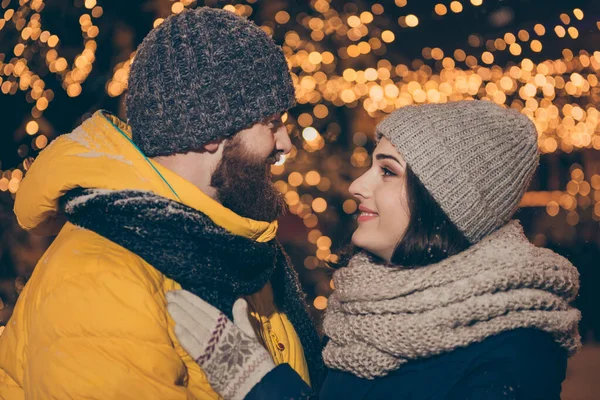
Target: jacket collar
column 99, row 154
column 190, row 195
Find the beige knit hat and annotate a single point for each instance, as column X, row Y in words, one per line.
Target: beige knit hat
column 476, row 158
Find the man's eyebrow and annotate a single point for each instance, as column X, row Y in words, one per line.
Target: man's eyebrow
column 382, row 156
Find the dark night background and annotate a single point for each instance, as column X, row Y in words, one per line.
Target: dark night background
column 343, row 59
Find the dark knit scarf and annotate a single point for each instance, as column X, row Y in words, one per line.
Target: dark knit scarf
column 204, row 258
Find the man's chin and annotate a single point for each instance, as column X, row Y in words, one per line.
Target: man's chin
column 244, row 185
column 261, row 205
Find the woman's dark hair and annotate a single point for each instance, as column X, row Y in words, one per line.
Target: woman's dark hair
column 430, row 235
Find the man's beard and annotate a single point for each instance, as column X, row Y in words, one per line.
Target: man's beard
column 243, row 184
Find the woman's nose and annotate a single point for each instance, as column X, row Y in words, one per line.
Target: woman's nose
column 358, row 187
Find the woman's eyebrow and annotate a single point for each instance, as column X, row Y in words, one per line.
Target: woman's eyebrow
column 381, row 156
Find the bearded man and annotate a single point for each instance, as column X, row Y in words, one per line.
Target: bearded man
column 180, row 197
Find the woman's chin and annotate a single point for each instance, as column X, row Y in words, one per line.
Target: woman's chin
column 369, row 243
column 360, row 239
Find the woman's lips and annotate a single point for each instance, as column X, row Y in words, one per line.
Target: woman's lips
column 366, row 217
column 366, row 214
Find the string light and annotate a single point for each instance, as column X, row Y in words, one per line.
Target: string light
column 412, row 20
column 456, row 6
column 559, row 95
column 440, row 9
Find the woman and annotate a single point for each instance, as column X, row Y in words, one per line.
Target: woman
column 447, row 299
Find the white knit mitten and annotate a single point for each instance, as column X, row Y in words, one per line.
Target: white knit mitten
column 228, row 352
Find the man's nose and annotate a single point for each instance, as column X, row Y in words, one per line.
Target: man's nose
column 283, row 142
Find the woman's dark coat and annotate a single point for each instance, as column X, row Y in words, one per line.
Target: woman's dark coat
column 523, row 364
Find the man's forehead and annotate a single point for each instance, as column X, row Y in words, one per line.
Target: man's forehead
column 271, row 118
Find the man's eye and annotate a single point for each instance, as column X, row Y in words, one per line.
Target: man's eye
column 275, row 125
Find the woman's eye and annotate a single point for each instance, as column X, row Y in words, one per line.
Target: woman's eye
column 387, row 172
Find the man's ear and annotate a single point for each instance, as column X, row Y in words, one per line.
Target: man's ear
column 213, row 145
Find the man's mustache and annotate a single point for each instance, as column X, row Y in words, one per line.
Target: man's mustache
column 274, row 157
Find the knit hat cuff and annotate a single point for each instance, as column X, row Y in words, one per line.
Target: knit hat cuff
column 157, row 145
column 451, row 187
column 275, row 104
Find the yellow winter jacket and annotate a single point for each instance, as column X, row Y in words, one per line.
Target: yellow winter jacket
column 92, row 323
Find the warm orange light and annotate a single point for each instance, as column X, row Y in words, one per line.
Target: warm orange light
column 320, row 302
column 456, row 6
column 388, row 36
column 412, row 20
column 282, row 17
column 440, row 9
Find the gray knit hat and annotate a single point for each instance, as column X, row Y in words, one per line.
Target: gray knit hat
column 474, row 157
column 204, row 74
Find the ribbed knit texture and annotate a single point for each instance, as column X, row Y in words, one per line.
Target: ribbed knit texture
column 382, row 316
column 204, row 74
column 474, row 157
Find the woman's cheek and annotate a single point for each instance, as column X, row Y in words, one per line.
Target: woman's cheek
column 394, row 215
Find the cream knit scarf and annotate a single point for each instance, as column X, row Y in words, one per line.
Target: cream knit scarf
column 382, row 316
